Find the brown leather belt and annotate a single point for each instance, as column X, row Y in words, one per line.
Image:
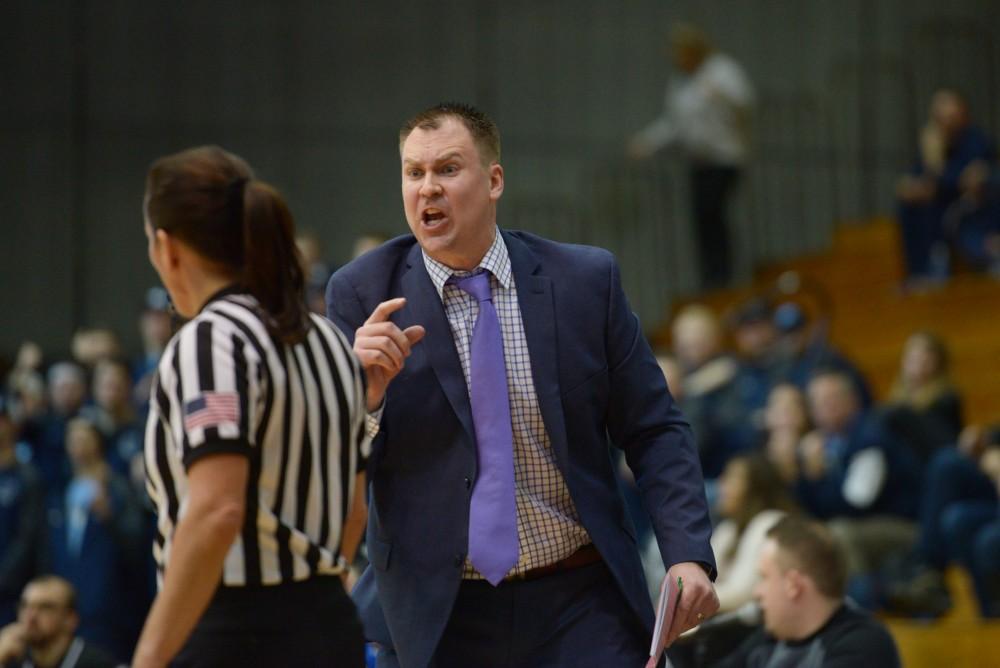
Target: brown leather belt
column 585, row 556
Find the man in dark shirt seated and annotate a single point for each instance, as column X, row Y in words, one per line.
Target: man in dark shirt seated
column 43, row 635
column 808, row 623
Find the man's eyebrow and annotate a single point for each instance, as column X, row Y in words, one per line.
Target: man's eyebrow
column 444, row 158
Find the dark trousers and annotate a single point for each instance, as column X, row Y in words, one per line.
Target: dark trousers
column 310, row 623
column 921, row 227
column 971, row 530
column 711, row 189
column 577, row 618
column 950, row 478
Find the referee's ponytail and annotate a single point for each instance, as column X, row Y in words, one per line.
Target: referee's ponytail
column 209, row 199
column 272, row 269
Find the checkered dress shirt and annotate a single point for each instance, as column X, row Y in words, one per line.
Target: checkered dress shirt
column 548, row 525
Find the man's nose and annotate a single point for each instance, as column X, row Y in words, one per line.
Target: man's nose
column 430, row 187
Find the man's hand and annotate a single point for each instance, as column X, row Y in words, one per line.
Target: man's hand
column 697, row 603
column 12, row 645
column 813, row 456
column 382, row 348
column 915, row 189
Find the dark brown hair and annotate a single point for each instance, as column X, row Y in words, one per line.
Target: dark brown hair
column 208, row 198
column 63, row 583
column 809, row 547
column 765, row 489
column 484, row 131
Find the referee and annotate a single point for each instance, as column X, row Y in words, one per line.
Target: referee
column 255, row 434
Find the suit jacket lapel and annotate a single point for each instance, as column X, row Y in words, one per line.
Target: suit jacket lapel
column 425, row 307
column 534, row 295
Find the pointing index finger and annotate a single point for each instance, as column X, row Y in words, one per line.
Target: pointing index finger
column 385, row 309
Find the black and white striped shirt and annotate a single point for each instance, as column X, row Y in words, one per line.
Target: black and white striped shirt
column 225, row 385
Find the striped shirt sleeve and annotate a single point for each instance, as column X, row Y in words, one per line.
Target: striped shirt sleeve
column 212, row 384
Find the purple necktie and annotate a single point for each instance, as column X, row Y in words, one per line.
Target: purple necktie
column 493, row 546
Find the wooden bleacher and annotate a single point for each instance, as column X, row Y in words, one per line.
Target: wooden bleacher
column 871, row 319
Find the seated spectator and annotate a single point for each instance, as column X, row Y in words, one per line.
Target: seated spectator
column 948, row 144
column 808, row 623
column 855, row 475
column 974, row 222
column 978, row 542
column 755, row 337
column 92, row 344
column 44, row 634
column 752, row 499
column 21, row 513
column 28, row 363
column 95, row 538
column 849, row 466
column 959, row 498
column 803, row 350
column 114, row 415
column 924, row 409
column 46, row 434
column 710, row 400
column 786, row 421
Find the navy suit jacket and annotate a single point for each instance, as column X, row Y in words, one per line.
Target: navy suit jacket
column 596, row 379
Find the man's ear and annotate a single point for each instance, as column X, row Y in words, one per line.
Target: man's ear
column 71, row 622
column 496, row 181
column 794, row 583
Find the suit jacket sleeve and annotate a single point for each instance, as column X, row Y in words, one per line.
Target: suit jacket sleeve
column 644, row 421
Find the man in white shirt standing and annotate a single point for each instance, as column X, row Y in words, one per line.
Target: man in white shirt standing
column 706, row 116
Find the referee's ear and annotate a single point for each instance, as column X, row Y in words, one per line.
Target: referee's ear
column 167, row 249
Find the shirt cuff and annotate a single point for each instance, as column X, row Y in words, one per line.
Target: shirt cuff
column 373, row 420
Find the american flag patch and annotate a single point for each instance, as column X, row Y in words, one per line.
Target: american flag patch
column 211, row 409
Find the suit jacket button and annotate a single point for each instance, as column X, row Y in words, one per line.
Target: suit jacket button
column 468, row 483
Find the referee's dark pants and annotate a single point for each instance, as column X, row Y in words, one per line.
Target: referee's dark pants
column 572, row 619
column 712, row 187
column 309, row 623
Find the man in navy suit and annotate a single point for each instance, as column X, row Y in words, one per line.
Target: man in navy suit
column 579, row 374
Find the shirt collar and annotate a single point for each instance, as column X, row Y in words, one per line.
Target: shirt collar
column 496, row 261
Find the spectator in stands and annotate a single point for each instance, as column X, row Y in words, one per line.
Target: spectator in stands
column 959, row 498
column 315, row 269
column 786, row 422
column 114, row 415
column 854, row 474
column 44, row 634
column 803, row 350
column 367, row 242
column 755, row 337
column 67, row 392
column 924, row 409
column 92, row 344
column 21, row 515
column 807, row 621
column 975, row 220
column 27, row 363
column 95, row 537
column 752, row 498
column 707, row 116
column 981, row 551
column 155, row 329
column 710, row 400
column 948, row 144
